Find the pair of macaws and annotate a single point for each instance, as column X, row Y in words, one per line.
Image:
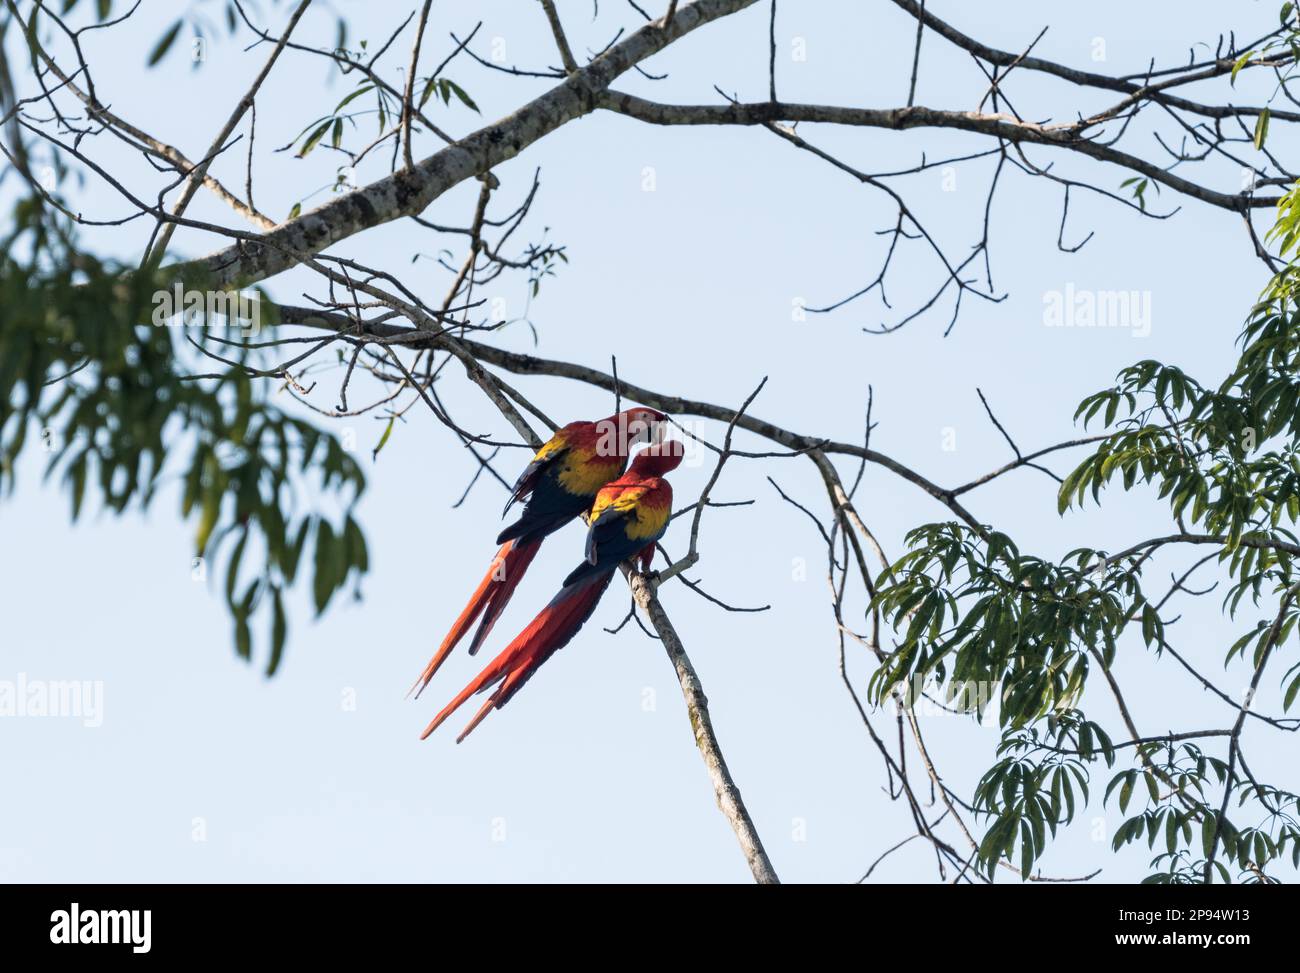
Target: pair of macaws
column 579, row 471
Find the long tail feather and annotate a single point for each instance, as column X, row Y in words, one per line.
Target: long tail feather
column 550, row 631
column 516, row 563
column 489, row 600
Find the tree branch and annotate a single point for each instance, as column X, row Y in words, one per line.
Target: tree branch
column 697, row 706
column 408, row 192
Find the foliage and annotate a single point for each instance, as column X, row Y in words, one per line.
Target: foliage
column 85, row 372
column 969, row 605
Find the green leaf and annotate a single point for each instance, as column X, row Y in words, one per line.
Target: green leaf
column 355, row 543
column 429, row 87
column 1261, row 128
column 164, row 43
column 1207, row 833
column 1238, row 65
column 356, row 94
column 314, row 138
column 1291, row 693
column 460, row 94
column 232, row 569
column 243, row 637
column 77, row 478
column 388, row 431
column 326, row 579
column 1126, row 792
column 208, row 518
column 279, row 632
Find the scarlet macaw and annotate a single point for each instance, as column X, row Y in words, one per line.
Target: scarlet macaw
column 627, row 519
column 561, row 482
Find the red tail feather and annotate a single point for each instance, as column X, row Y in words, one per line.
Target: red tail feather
column 516, row 563
column 550, row 631
column 489, row 599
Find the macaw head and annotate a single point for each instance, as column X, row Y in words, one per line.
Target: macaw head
column 659, row 458
column 631, row 427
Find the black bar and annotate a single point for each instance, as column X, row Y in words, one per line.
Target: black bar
column 304, row 922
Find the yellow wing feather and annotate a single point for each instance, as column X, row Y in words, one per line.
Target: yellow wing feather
column 643, row 520
column 622, row 501
column 584, row 471
column 549, row 448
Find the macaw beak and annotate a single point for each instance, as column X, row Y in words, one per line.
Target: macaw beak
column 658, row 431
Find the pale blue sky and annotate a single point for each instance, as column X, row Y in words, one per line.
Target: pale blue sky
column 691, row 286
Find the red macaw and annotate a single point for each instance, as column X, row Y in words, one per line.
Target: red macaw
column 628, row 518
column 560, row 483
